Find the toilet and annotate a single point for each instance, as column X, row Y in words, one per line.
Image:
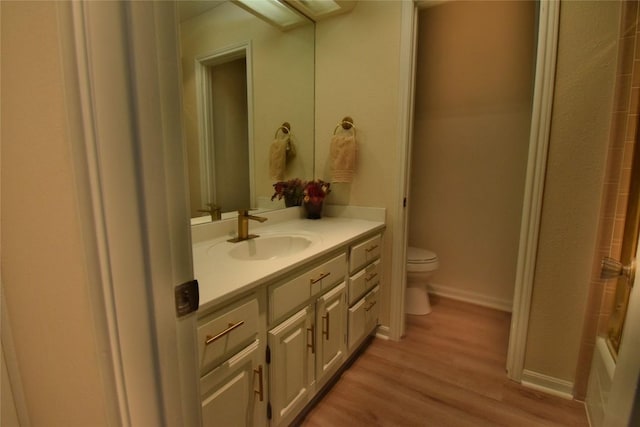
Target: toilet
column 421, row 263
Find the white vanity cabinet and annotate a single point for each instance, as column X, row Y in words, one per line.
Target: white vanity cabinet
column 309, row 346
column 291, row 366
column 267, row 351
column 231, row 354
column 331, row 333
column 364, row 280
column 363, row 317
column 232, row 392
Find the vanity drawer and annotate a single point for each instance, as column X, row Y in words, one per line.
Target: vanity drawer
column 363, row 317
column 223, row 333
column 328, row 274
column 286, row 297
column 364, row 280
column 364, row 253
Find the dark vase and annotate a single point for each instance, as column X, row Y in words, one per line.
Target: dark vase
column 291, row 200
column 314, row 210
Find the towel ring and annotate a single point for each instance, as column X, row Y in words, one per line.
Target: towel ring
column 285, row 128
column 346, row 124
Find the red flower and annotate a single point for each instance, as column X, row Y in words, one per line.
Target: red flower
column 315, row 191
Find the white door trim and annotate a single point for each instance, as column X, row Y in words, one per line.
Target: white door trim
column 548, row 24
column 128, row 158
column 408, row 36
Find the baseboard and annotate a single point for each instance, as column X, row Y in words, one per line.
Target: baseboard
column 547, row 384
column 383, row 332
column 471, row 297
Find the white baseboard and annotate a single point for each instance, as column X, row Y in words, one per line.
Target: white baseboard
column 547, row 384
column 383, row 332
column 471, row 297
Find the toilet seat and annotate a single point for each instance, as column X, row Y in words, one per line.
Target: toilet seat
column 421, row 260
column 420, row 256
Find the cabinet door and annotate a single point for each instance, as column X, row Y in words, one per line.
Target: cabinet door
column 233, row 393
column 291, row 346
column 363, row 317
column 331, row 322
column 372, row 309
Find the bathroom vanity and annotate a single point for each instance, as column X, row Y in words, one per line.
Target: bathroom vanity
column 281, row 314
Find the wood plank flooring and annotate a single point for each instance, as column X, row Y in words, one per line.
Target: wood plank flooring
column 449, row 370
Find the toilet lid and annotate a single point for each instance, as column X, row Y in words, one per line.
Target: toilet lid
column 419, row 255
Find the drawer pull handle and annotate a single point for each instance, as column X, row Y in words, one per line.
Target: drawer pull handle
column 231, row 327
column 370, row 248
column 260, row 391
column 370, row 277
column 320, row 277
column 325, row 333
column 370, row 306
column 312, row 346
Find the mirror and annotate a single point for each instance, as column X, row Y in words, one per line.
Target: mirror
column 242, row 79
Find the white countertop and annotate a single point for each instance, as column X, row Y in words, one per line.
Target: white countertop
column 222, row 277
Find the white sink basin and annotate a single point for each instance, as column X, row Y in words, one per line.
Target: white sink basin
column 270, row 247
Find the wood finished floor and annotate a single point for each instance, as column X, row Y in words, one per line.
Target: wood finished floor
column 449, row 370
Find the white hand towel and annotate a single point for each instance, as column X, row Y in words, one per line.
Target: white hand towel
column 343, row 157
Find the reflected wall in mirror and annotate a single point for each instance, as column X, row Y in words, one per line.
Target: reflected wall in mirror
column 246, row 77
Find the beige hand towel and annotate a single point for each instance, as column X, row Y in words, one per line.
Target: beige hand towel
column 343, row 157
column 278, row 159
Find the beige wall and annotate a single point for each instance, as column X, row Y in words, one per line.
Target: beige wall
column 43, row 262
column 357, row 75
column 577, row 153
column 471, row 135
column 282, row 64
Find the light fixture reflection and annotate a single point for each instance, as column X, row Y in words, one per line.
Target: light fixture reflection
column 274, row 12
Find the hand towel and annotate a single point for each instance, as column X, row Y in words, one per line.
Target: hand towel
column 278, row 159
column 343, row 157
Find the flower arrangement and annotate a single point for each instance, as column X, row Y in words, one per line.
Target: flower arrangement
column 314, row 194
column 315, row 191
column 291, row 190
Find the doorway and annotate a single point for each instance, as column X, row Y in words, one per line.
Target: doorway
column 224, row 147
column 473, row 109
column 229, row 148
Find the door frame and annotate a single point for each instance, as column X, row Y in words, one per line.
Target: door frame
column 125, row 114
column 547, row 45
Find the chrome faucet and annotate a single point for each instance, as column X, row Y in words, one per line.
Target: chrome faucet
column 243, row 225
column 214, row 210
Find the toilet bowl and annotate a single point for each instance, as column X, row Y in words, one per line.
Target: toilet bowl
column 421, row 263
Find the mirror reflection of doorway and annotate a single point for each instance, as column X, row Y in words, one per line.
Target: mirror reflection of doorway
column 229, row 147
column 224, row 100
